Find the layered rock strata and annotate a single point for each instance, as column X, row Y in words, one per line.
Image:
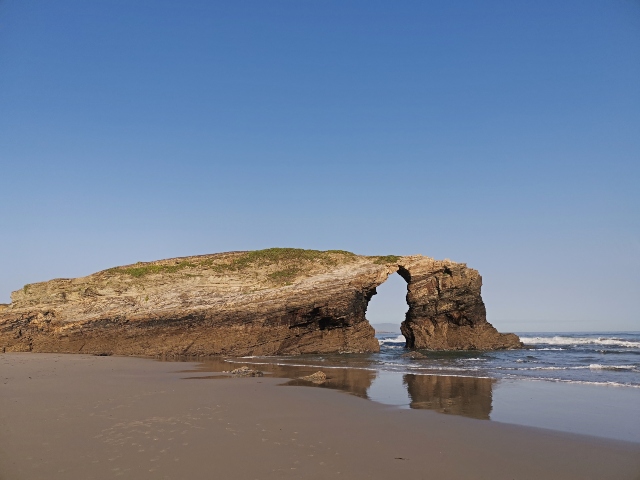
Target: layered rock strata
column 268, row 302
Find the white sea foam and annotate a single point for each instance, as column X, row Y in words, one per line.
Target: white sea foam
column 559, row 340
column 554, row 368
column 593, row 366
column 305, row 365
column 597, row 366
column 582, row 382
column 442, row 369
column 520, row 369
column 457, row 375
column 397, row 340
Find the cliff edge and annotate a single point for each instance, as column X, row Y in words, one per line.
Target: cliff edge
column 267, row 302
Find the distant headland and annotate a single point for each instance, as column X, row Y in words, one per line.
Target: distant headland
column 278, row 301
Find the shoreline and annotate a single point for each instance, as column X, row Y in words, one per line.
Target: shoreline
column 79, row 416
column 570, row 406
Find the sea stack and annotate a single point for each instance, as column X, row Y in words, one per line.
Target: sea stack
column 279, row 301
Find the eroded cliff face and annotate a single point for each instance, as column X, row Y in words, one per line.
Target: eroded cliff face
column 276, row 301
column 446, row 311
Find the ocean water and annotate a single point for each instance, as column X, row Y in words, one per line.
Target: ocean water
column 603, row 358
column 585, row 383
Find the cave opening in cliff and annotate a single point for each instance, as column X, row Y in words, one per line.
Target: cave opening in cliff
column 387, row 308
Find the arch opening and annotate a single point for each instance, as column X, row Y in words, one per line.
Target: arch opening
column 387, row 309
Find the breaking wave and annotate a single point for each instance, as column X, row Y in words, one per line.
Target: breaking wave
column 560, row 340
column 593, row 366
column 399, row 340
column 597, row 366
column 584, row 382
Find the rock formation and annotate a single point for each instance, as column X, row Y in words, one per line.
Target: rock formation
column 318, row 377
column 246, row 372
column 267, row 302
column 351, row 380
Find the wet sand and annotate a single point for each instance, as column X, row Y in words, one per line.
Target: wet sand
column 86, row 417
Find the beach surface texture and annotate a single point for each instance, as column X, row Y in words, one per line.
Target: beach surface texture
column 93, row 417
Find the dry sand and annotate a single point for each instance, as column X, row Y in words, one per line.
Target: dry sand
column 85, row 417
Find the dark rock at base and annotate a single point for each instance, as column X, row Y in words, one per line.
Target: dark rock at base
column 318, row 377
column 246, row 372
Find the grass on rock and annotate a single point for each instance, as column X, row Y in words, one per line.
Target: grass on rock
column 284, row 276
column 381, row 260
column 141, row 269
column 272, row 256
column 293, row 259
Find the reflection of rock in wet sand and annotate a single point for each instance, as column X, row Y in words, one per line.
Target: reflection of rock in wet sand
column 467, row 396
column 351, row 380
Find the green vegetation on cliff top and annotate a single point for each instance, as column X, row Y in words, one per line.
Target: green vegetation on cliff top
column 386, row 259
column 243, row 261
column 285, row 276
column 142, row 269
column 279, row 265
column 286, row 255
column 293, row 258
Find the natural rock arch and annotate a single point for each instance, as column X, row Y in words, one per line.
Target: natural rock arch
column 446, row 311
column 388, row 307
column 277, row 301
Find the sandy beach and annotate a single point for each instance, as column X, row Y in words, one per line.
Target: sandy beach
column 90, row 417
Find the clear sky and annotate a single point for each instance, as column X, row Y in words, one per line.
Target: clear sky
column 504, row 134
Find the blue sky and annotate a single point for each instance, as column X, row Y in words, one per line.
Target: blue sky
column 503, row 134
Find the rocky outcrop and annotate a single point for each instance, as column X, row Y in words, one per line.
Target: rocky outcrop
column 318, row 377
column 246, row 372
column 446, row 311
column 275, row 301
column 351, row 380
